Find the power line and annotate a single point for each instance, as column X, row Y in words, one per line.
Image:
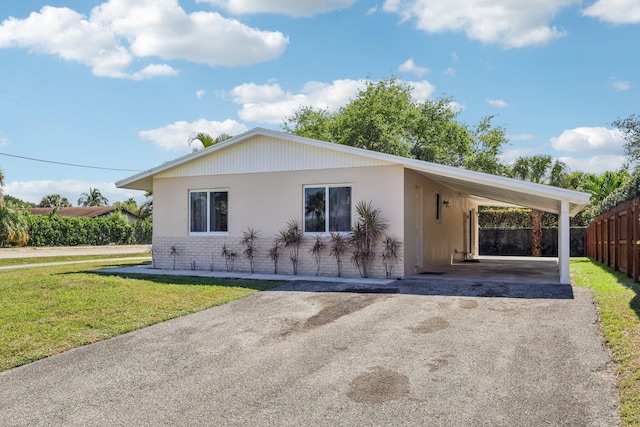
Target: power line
column 70, row 164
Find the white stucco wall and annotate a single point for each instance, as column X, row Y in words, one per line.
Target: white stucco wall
column 440, row 238
column 266, row 201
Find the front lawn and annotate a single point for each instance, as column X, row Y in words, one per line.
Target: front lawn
column 48, row 310
column 66, row 258
column 618, row 300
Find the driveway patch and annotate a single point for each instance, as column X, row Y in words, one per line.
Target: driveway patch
column 295, row 357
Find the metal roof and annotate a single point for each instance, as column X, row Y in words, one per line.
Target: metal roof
column 479, row 185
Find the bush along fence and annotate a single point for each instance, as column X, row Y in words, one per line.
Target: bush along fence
column 55, row 230
column 612, row 238
column 519, row 241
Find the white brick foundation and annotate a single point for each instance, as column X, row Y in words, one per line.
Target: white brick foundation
column 205, row 254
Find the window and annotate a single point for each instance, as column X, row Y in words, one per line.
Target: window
column 327, row 209
column 437, row 206
column 208, row 211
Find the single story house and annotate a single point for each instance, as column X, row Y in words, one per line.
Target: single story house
column 85, row 212
column 262, row 179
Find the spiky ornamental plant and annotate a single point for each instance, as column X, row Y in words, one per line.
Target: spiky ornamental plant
column 339, row 246
column 365, row 233
column 249, row 238
column 390, row 253
column 316, row 250
column 229, row 257
column 274, row 254
column 291, row 238
column 173, row 252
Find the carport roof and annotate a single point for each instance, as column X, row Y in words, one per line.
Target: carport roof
column 480, row 186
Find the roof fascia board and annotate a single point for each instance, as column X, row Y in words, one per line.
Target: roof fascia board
column 509, row 184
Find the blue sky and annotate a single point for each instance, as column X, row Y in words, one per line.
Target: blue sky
column 121, row 84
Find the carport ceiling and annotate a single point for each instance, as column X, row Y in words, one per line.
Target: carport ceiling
column 511, row 192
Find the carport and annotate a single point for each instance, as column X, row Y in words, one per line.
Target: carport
column 492, row 190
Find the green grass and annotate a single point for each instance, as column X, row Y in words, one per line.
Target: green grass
column 618, row 300
column 46, row 259
column 48, row 310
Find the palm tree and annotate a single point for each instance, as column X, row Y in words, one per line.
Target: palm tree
column 146, row 208
column 92, row 198
column 14, row 228
column 600, row 186
column 207, row 140
column 541, row 169
column 54, row 201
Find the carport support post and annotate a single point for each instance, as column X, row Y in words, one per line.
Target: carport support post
column 564, row 242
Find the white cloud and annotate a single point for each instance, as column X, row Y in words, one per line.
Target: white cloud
column 521, row 137
column 498, row 103
column 176, row 135
column 3, row 142
column 449, row 72
column 595, row 164
column 154, row 70
column 456, row 107
column 120, row 32
column 200, row 94
column 372, row 11
column 585, row 139
column 622, row 85
column 286, row 7
column 454, row 57
column 409, row 66
column 422, row 90
column 269, row 103
column 615, row 11
column 510, row 23
column 34, row 191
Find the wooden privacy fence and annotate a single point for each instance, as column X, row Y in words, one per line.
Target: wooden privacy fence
column 612, row 238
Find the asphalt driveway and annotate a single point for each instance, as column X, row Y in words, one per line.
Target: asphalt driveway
column 482, row 355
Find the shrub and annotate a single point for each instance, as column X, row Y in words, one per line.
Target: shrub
column 55, row 230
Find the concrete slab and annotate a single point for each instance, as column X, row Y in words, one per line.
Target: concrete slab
column 295, row 357
column 148, row 269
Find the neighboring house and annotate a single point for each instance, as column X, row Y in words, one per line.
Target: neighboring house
column 262, row 179
column 85, row 212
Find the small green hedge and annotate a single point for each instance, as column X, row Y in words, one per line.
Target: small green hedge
column 55, row 230
column 512, row 218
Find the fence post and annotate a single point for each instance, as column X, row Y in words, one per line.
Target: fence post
column 635, row 236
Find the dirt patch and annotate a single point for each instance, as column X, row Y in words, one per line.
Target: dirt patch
column 337, row 306
column 439, row 362
column 468, row 304
column 378, row 385
column 332, row 307
column 430, row 325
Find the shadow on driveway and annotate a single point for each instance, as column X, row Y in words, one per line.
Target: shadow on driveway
column 435, row 287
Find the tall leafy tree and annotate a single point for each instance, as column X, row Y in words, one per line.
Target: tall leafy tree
column 93, row 198
column 630, row 128
column 310, row 123
column 379, row 118
column 385, row 117
column 541, row 169
column 54, row 201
